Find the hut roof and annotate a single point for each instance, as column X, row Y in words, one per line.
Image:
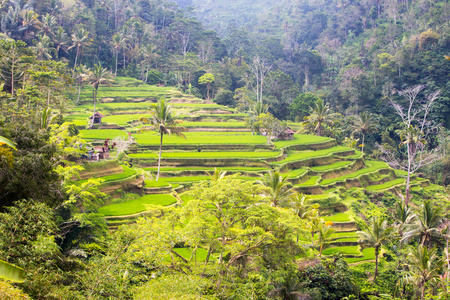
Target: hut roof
column 97, row 114
column 289, row 130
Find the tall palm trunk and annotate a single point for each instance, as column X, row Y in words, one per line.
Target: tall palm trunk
column 79, row 92
column 115, row 72
column 362, row 148
column 377, row 250
column 94, row 95
column 76, row 58
column 159, row 156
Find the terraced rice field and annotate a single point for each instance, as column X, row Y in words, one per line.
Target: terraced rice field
column 315, row 165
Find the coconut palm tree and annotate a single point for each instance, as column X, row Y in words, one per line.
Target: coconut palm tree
column 254, row 111
column 80, row 72
column 364, row 124
column 426, row 227
column 320, row 115
column 288, row 287
column 30, row 23
column 217, row 175
column 118, row 43
column 325, row 233
column 44, row 48
column 49, row 24
column 403, row 216
column 424, row 266
column 375, row 235
column 278, row 188
column 97, row 77
column 164, row 121
column 80, row 39
column 61, row 40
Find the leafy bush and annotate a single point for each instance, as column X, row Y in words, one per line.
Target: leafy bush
column 224, row 97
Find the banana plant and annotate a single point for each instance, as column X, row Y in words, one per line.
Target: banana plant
column 11, row 272
column 10, row 143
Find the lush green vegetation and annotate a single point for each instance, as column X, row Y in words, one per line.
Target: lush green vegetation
column 206, row 155
column 102, row 134
column 137, row 205
column 336, row 74
column 373, row 166
column 304, row 155
column 201, row 138
column 302, row 139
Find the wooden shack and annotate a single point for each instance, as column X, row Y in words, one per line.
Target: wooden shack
column 287, row 134
column 103, row 152
column 97, row 118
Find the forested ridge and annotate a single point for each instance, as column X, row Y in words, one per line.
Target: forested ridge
column 224, row 149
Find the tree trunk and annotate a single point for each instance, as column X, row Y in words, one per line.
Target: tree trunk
column 12, row 79
column 159, row 156
column 76, row 58
column 79, row 91
column 117, row 56
column 362, row 148
column 48, row 96
column 376, row 263
column 146, row 74
column 408, row 178
column 319, row 130
column 94, row 95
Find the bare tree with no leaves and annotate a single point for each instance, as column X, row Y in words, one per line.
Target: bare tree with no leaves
column 415, row 134
column 260, row 69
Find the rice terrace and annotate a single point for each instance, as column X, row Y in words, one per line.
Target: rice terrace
column 333, row 176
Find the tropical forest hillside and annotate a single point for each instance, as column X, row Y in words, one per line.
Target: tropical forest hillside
column 224, row 150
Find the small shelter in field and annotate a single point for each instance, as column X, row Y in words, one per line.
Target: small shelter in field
column 287, row 134
column 97, row 118
column 103, row 152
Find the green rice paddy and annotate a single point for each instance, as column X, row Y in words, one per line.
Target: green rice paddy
column 205, row 155
column 201, row 138
column 137, row 205
column 372, row 167
column 303, row 155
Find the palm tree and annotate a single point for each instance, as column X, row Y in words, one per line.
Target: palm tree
column 147, row 52
column 165, row 122
column 426, row 227
column 403, row 216
column 80, row 39
column 300, row 206
column 375, row 235
column 30, row 22
column 61, row 40
column 287, row 288
column 412, row 137
column 79, row 74
column 48, row 25
column 364, row 124
column 44, row 48
column 325, row 233
column 254, row 111
column 118, row 43
column 217, row 175
column 425, row 265
column 320, row 115
column 96, row 77
column 278, row 189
